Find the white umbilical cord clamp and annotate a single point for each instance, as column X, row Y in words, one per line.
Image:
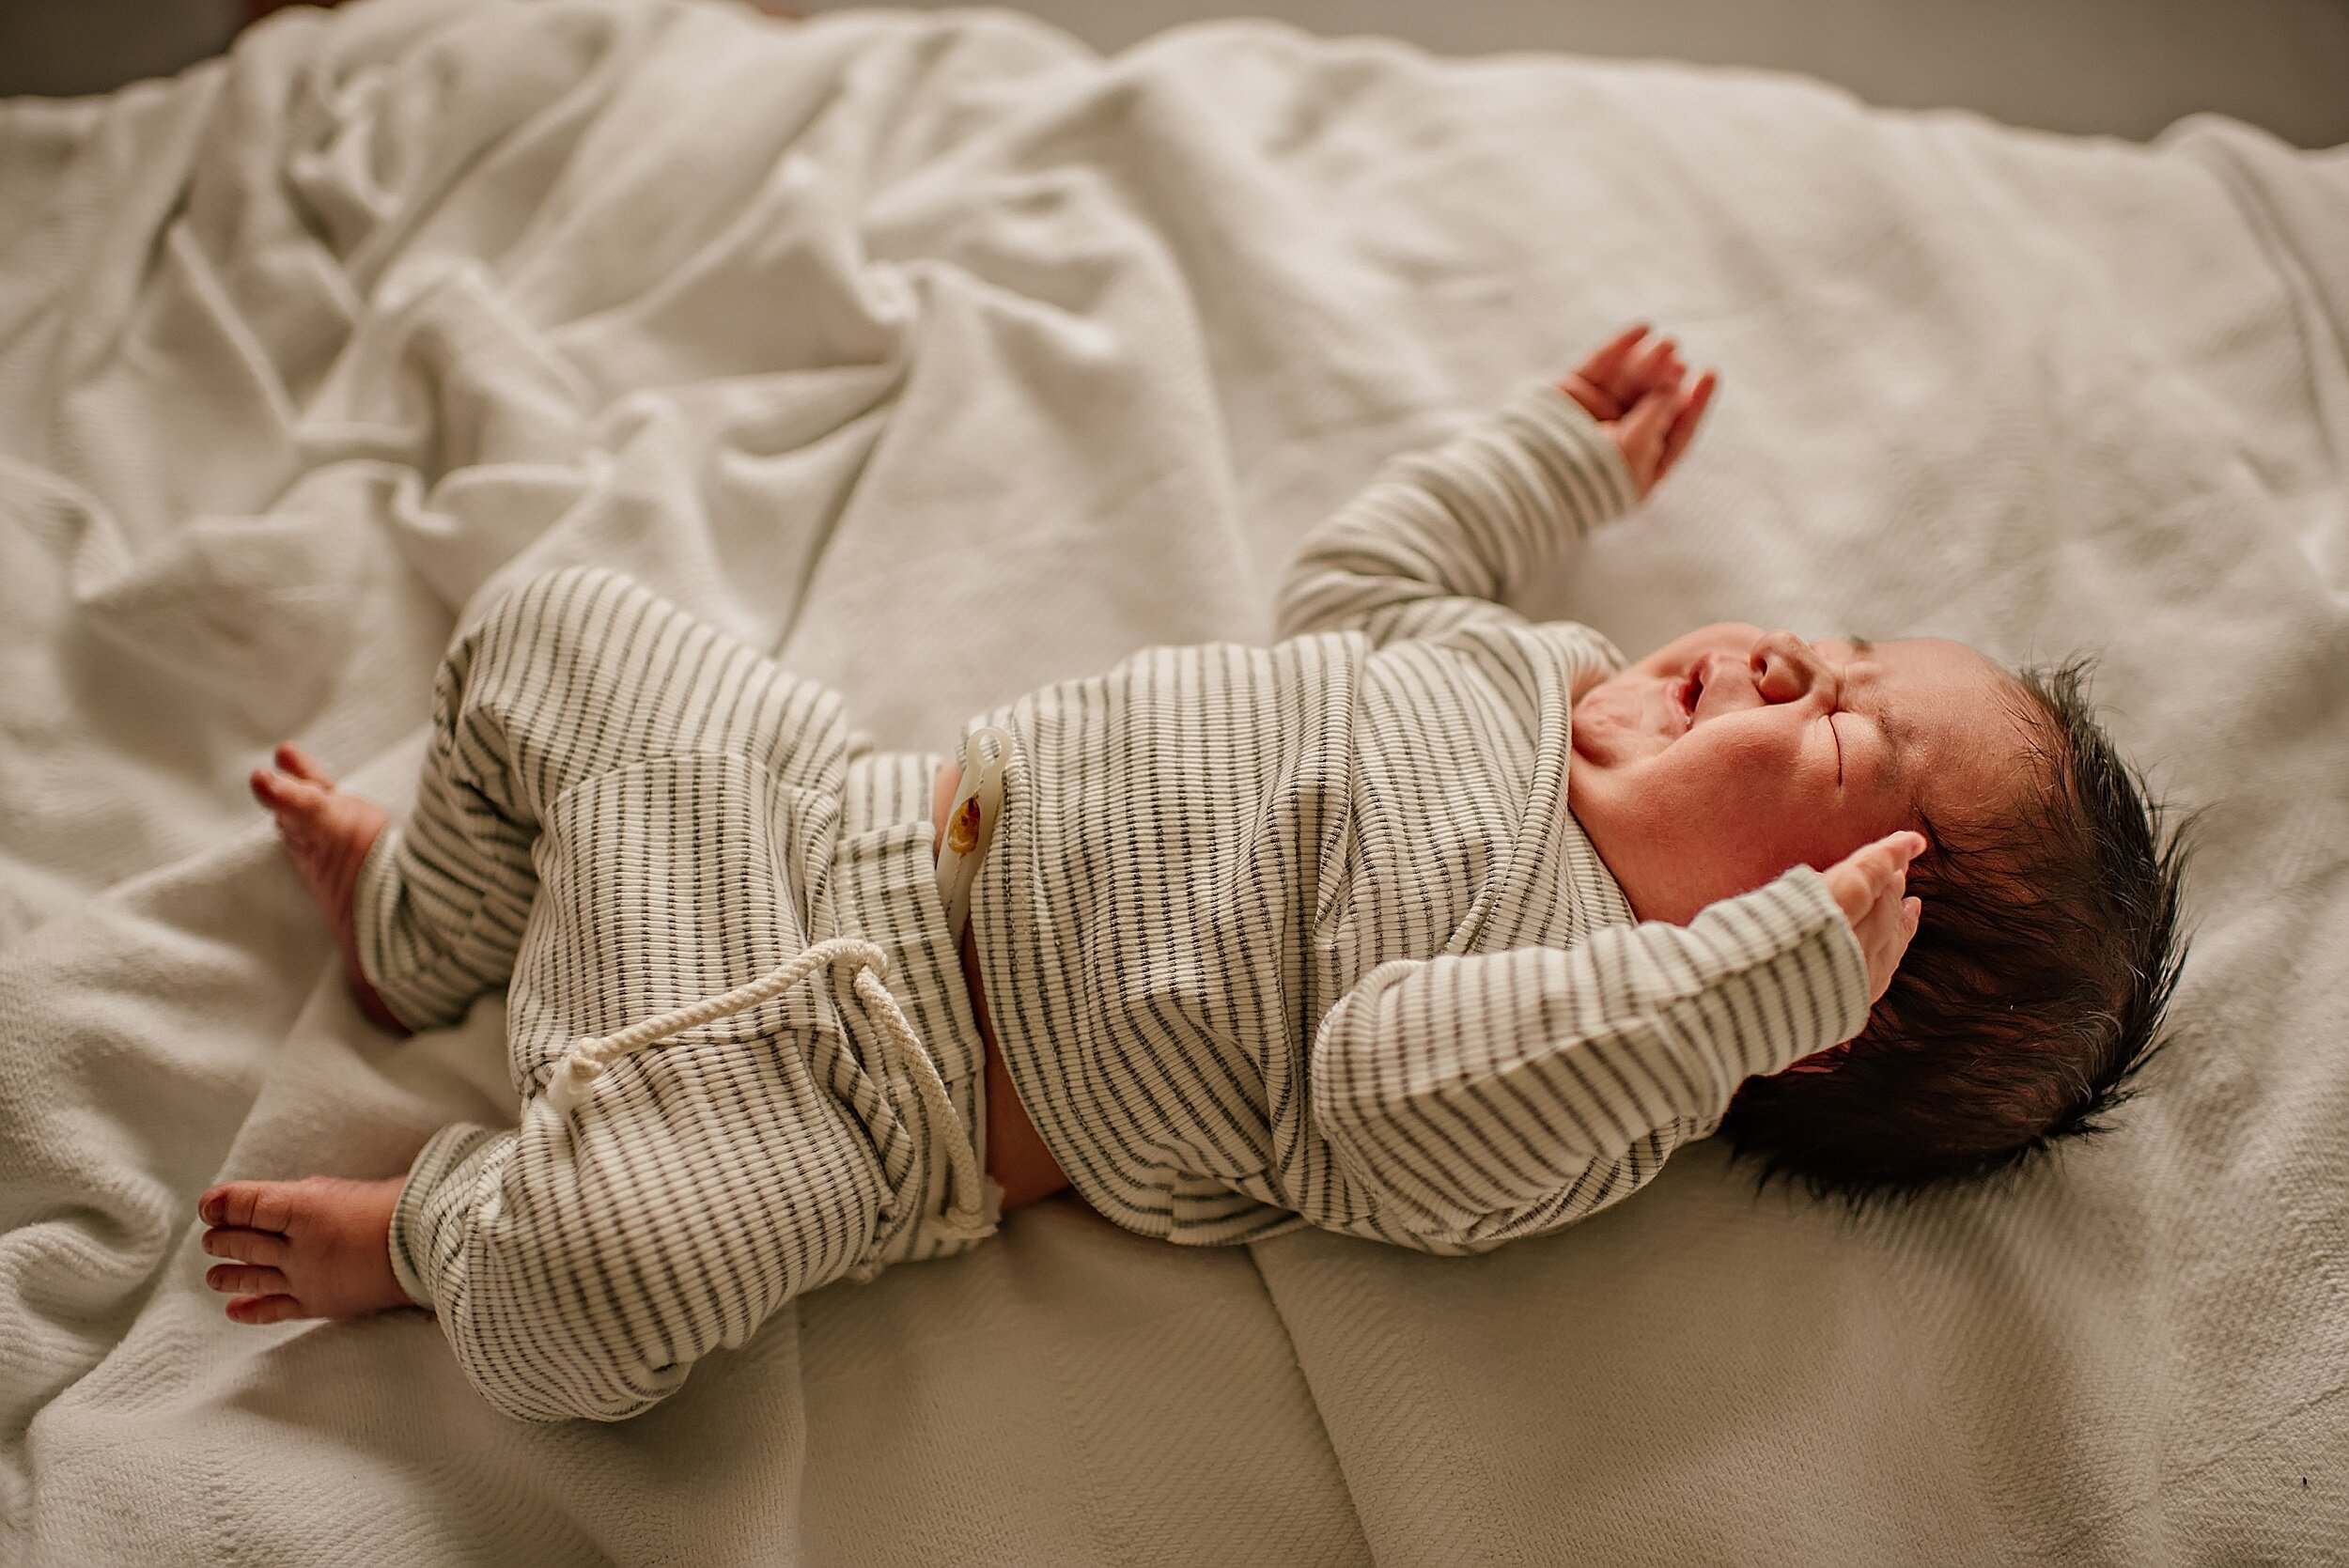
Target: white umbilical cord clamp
column 970, row 822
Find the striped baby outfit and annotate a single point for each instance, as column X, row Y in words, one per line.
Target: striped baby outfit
column 1306, row 934
column 623, row 811
column 1270, row 937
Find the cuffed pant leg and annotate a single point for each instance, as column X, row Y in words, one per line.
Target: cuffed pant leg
column 568, row 676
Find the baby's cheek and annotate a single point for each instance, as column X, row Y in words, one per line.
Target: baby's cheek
column 1602, row 727
column 1790, row 811
column 1758, row 785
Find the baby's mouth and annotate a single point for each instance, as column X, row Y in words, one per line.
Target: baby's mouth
column 1687, row 694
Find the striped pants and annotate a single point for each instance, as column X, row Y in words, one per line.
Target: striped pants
column 623, row 811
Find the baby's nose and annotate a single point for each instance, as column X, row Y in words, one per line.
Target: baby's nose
column 1785, row 668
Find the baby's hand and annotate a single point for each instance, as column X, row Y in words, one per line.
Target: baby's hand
column 1867, row 884
column 1642, row 398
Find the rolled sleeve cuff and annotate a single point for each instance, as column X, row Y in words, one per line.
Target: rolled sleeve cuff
column 1805, row 990
column 1583, row 468
column 426, row 1224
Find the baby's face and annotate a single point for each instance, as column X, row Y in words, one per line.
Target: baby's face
column 1732, row 753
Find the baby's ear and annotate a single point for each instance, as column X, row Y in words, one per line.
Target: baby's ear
column 1821, row 1062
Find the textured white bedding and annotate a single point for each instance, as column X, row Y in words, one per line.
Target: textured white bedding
column 946, row 359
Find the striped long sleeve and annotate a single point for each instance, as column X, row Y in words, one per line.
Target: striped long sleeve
column 1478, row 1098
column 1441, row 537
column 1307, row 933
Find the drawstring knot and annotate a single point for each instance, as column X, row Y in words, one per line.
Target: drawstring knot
column 574, row 1077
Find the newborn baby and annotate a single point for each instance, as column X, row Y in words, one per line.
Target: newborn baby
column 1429, row 924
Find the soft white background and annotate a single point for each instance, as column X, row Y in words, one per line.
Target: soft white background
column 2122, row 68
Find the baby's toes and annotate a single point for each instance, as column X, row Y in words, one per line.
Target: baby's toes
column 265, row 1308
column 293, row 800
column 248, row 1205
column 262, row 1247
column 244, row 1278
column 302, row 764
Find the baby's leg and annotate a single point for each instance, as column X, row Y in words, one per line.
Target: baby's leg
column 664, row 798
column 309, row 1249
column 569, row 676
column 581, row 1266
column 327, row 833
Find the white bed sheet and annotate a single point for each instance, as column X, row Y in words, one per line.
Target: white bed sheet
column 946, row 359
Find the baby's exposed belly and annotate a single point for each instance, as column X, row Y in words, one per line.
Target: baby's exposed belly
column 1016, row 1156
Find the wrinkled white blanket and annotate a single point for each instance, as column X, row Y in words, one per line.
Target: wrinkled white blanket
column 945, row 359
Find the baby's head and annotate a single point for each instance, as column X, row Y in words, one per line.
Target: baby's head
column 2048, row 943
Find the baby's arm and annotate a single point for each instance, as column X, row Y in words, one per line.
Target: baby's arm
column 1440, row 537
column 1478, row 1099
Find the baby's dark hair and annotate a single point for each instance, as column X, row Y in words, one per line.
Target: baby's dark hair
column 2032, row 992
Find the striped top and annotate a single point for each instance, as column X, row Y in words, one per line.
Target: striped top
column 1306, row 934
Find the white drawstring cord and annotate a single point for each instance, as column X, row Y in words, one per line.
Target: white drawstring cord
column 573, row 1076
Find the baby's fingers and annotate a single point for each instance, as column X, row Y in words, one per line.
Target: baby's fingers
column 1884, row 862
column 1640, row 436
column 1684, row 423
column 1657, row 369
column 1902, row 918
column 1884, row 934
column 1873, row 874
column 1603, row 367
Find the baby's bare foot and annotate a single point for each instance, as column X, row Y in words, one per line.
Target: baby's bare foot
column 328, row 835
column 316, row 1247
